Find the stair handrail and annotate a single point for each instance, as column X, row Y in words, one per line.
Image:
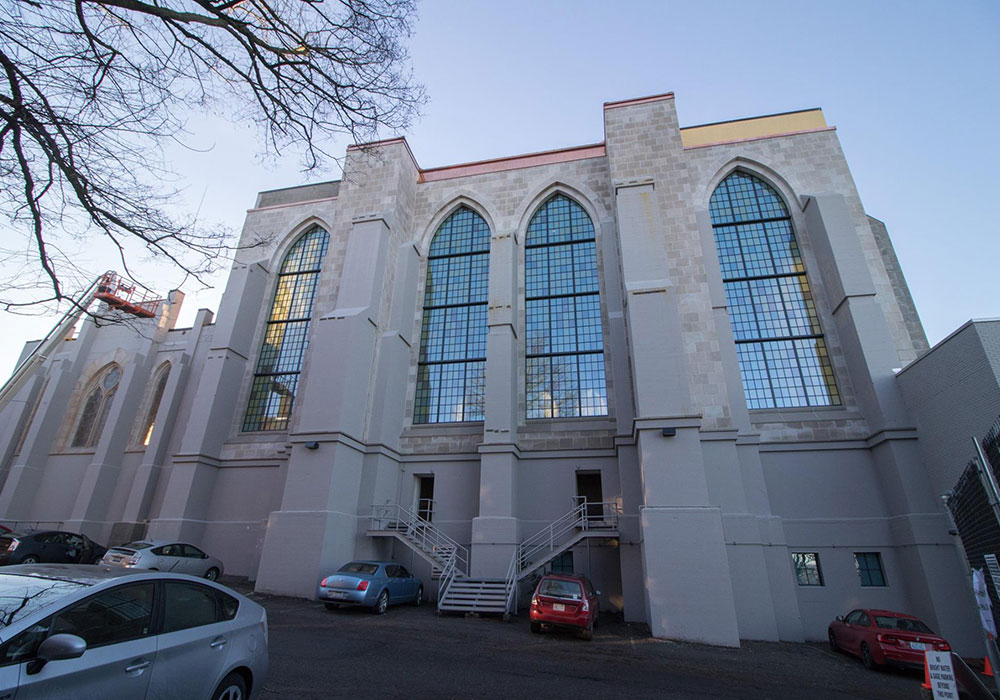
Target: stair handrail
column 430, row 538
column 448, row 574
column 585, row 516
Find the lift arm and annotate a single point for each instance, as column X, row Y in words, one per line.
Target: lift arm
column 108, row 288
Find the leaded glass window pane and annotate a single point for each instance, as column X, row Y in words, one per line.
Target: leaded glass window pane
column 96, row 408
column 287, row 334
column 564, row 348
column 451, row 376
column 782, row 354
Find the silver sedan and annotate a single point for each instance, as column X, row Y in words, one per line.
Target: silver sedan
column 163, row 555
column 96, row 632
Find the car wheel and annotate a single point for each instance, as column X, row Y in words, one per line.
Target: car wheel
column 212, row 574
column 232, row 687
column 587, row 633
column 834, row 647
column 866, row 657
column 30, row 559
column 331, row 606
column 420, row 597
column 381, row 603
column 536, row 627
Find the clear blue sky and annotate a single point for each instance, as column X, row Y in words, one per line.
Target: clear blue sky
column 912, row 88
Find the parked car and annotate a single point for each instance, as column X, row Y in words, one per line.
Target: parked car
column 48, row 546
column 161, row 555
column 4, row 529
column 370, row 584
column 70, row 631
column 565, row 600
column 880, row 637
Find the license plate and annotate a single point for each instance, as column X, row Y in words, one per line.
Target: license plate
column 336, row 594
column 918, row 645
column 116, row 559
column 558, row 607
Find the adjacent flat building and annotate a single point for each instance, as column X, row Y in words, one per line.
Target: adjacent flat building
column 665, row 360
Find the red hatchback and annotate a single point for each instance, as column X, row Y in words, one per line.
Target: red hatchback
column 883, row 637
column 565, row 600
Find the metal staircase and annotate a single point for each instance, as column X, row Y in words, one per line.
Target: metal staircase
column 448, row 559
column 586, row 520
column 457, row 591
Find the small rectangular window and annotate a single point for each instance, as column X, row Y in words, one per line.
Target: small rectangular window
column 807, row 571
column 869, row 565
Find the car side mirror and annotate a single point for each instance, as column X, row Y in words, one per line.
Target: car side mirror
column 56, row 648
column 840, row 618
column 597, row 592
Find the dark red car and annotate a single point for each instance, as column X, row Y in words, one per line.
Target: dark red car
column 565, row 600
column 880, row 637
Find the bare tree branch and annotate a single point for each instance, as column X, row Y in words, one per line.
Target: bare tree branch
column 91, row 90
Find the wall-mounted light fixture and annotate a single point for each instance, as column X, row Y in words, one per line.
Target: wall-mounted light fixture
column 669, row 432
column 312, row 445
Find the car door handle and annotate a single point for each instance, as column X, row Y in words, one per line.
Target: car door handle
column 137, row 665
column 218, row 643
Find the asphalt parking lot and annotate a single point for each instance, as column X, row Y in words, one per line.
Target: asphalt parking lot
column 412, row 653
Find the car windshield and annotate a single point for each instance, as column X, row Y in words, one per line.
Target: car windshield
column 23, row 595
column 358, row 567
column 558, row 588
column 903, row 624
column 136, row 545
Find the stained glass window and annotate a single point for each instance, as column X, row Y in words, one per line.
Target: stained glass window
column 149, row 420
column 286, row 336
column 451, row 376
column 96, row 407
column 782, row 354
column 564, row 347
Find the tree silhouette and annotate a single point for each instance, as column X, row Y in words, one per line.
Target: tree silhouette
column 93, row 89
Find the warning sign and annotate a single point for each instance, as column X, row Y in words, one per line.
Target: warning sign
column 941, row 675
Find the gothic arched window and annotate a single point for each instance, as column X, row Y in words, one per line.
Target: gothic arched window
column 564, row 345
column 96, row 407
column 451, row 374
column 149, row 419
column 287, row 334
column 782, row 354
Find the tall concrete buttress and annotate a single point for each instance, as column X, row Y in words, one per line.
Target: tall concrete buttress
column 705, row 522
column 329, row 490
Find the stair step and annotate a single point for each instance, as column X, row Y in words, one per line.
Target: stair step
column 473, row 608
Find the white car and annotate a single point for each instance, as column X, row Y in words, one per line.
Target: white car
column 96, row 632
column 163, row 555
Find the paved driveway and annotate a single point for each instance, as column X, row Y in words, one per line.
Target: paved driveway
column 412, row 653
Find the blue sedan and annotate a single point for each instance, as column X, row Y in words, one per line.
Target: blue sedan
column 371, row 584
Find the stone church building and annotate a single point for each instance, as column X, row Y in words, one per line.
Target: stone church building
column 665, row 360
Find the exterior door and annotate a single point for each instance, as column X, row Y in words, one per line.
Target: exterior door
column 588, row 488
column 425, row 497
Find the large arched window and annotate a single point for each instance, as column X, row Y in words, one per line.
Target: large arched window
column 782, row 355
column 96, row 407
column 564, row 345
column 287, row 334
column 145, row 431
column 451, row 375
